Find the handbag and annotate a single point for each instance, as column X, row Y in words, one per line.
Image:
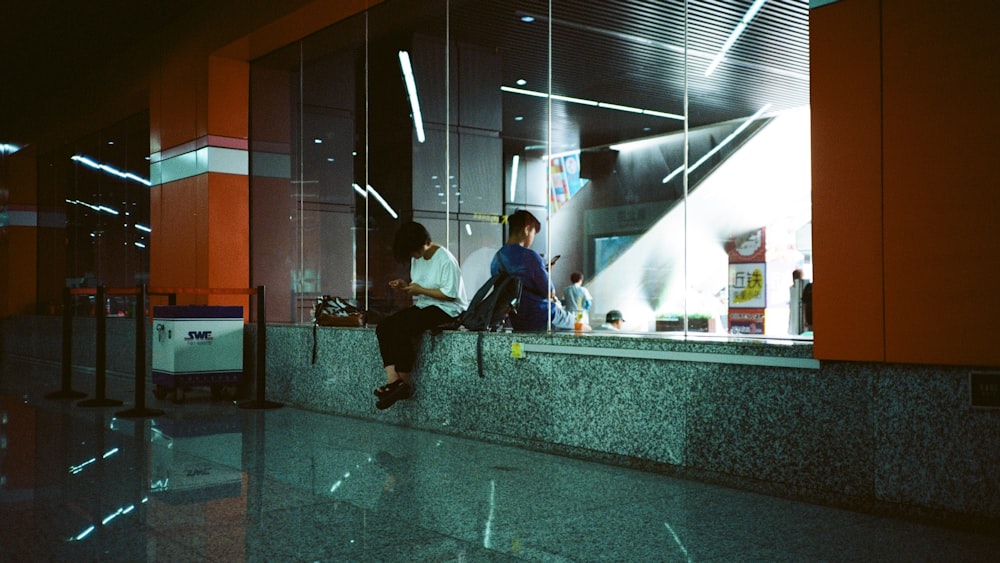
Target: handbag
column 334, row 311
column 337, row 311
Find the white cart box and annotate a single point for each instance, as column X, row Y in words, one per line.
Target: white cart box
column 196, row 345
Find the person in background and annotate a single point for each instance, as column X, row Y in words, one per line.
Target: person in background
column 538, row 302
column 438, row 296
column 797, row 323
column 577, row 299
column 613, row 320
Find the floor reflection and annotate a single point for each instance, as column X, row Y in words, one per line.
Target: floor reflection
column 211, row 482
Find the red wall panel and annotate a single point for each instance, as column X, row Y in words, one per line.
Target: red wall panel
column 847, row 191
column 941, row 85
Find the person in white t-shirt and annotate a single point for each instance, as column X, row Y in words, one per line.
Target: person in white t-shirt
column 438, row 296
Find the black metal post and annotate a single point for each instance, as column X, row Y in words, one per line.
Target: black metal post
column 67, row 392
column 100, row 360
column 261, row 382
column 140, row 410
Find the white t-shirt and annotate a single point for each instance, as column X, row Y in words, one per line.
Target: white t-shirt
column 441, row 271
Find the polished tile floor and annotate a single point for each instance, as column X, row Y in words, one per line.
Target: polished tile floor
column 207, row 481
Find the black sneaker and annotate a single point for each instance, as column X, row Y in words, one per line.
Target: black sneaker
column 397, row 393
column 387, row 388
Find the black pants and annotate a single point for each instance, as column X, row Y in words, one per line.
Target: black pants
column 399, row 333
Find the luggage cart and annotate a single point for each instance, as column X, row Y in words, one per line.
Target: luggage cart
column 197, row 346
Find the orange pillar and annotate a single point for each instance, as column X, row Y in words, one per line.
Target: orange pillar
column 18, row 235
column 199, row 166
column 846, row 106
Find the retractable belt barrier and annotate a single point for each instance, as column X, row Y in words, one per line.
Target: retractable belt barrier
column 141, row 292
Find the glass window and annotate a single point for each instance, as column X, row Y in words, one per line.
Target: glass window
column 657, row 142
column 93, row 217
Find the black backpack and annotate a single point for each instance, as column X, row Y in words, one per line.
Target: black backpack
column 489, row 309
column 492, row 305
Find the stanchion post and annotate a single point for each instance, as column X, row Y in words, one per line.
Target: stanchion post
column 140, row 410
column 261, row 382
column 66, row 391
column 100, row 363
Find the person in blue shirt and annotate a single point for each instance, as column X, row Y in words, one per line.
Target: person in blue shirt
column 577, row 299
column 538, row 303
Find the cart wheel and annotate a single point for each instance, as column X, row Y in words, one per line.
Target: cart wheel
column 160, row 392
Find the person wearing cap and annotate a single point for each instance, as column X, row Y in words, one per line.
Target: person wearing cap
column 613, row 320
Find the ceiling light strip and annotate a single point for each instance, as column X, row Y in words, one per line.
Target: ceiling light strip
column 411, row 92
column 592, row 103
column 719, row 146
column 109, row 169
column 740, row 28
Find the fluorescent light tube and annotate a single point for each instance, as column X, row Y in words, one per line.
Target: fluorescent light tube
column 737, row 31
column 514, row 163
column 385, row 204
column 411, row 92
column 719, row 146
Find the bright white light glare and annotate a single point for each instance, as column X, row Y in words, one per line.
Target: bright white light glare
column 671, row 176
column 102, row 208
column 533, row 93
column 110, row 453
column 78, row 468
column 655, row 113
column 85, row 533
column 514, row 163
column 719, row 146
column 634, row 145
column 628, row 109
column 139, row 244
column 592, row 103
column 110, row 170
column 385, row 204
column 142, row 227
column 488, row 528
column 740, row 28
column 468, row 229
column 111, row 517
column 576, row 100
column 336, row 486
column 6, row 148
column 378, row 197
column 411, row 91
column 678, row 541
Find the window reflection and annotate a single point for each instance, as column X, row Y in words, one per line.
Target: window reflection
column 650, row 139
column 94, row 224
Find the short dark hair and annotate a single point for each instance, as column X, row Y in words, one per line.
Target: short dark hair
column 521, row 219
column 575, row 277
column 410, row 237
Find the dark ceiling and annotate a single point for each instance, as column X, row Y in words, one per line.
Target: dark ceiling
column 632, row 54
column 616, row 51
column 51, row 45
